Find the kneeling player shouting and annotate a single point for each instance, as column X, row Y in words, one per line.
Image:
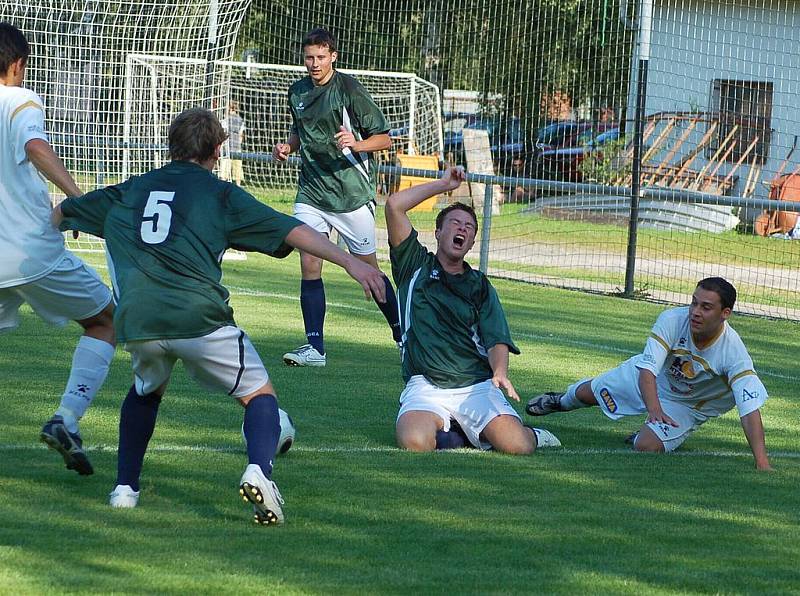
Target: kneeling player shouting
column 455, row 336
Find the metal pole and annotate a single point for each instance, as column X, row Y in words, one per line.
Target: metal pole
column 213, row 15
column 645, row 26
column 483, row 264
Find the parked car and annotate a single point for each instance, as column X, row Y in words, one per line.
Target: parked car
column 506, row 137
column 525, row 159
column 563, row 163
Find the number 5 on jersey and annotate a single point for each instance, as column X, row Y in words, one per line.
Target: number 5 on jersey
column 157, row 217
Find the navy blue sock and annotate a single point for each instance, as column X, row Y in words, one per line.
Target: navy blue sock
column 449, row 440
column 262, row 428
column 390, row 311
column 312, row 303
column 136, row 423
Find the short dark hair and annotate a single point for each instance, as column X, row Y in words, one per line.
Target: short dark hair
column 455, row 206
column 723, row 288
column 194, row 135
column 320, row 37
column 13, row 46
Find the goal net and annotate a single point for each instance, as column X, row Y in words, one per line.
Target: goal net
column 79, row 52
column 158, row 87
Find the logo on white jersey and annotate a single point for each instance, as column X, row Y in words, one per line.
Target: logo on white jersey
column 748, row 395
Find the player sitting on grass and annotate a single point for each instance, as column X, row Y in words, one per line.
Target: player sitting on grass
column 455, row 336
column 694, row 367
column 166, row 232
column 35, row 267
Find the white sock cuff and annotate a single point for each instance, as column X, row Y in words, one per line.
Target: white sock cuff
column 101, row 348
column 570, row 401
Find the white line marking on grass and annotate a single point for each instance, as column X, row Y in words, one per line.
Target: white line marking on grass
column 167, row 448
column 240, row 291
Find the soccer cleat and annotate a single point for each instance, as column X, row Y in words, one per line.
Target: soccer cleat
column 305, row 355
column 68, row 444
column 544, row 404
column 123, row 497
column 263, row 493
column 544, row 438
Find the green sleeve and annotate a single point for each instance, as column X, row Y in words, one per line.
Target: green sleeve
column 253, row 226
column 369, row 118
column 492, row 325
column 407, row 257
column 88, row 213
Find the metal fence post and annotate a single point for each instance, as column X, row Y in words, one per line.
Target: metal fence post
column 645, row 26
column 486, row 228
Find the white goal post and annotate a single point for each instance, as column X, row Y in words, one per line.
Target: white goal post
column 159, row 87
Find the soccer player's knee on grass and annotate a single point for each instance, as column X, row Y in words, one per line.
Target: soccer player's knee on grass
column 417, row 434
column 416, row 440
column 647, row 441
column 507, row 435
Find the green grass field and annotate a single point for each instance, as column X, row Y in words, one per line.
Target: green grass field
column 364, row 517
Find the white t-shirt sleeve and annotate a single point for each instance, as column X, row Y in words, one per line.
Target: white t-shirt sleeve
column 749, row 393
column 27, row 123
column 658, row 344
column 748, row 390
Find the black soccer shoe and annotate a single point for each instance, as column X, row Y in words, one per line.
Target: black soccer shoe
column 544, row 404
column 631, row 439
column 56, row 436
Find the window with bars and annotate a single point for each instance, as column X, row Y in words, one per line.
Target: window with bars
column 745, row 115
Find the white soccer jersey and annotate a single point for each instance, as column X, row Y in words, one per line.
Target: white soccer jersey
column 711, row 380
column 29, row 244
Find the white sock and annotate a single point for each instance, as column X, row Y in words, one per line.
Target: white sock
column 90, row 364
column 569, row 401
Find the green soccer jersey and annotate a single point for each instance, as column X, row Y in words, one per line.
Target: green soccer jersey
column 331, row 179
column 449, row 321
column 166, row 232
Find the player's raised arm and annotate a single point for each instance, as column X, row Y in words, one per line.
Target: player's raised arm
column 754, row 431
column 308, row 240
column 397, row 206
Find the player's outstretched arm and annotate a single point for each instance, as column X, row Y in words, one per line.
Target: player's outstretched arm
column 44, row 159
column 308, row 240
column 754, row 431
column 498, row 360
column 397, row 206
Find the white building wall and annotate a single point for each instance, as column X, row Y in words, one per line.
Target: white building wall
column 695, row 42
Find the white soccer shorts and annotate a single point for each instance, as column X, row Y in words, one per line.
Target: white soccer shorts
column 617, row 393
column 472, row 407
column 357, row 228
column 72, row 291
column 224, row 360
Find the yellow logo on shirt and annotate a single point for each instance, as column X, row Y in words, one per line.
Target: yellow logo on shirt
column 608, row 400
column 687, row 368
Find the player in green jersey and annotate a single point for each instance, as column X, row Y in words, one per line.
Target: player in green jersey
column 336, row 127
column 166, row 232
column 456, row 340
